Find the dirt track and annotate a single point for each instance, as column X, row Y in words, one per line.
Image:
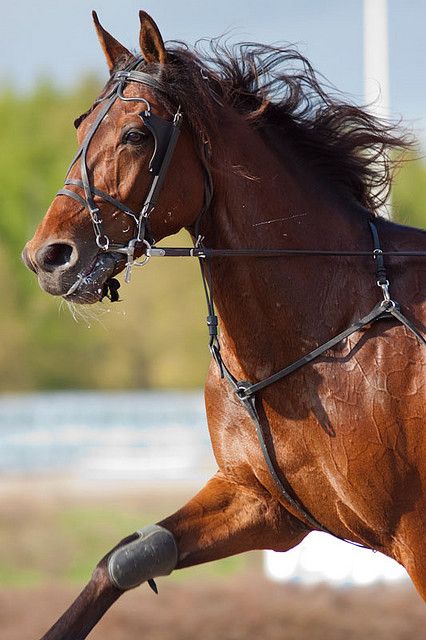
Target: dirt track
column 240, row 609
column 52, row 535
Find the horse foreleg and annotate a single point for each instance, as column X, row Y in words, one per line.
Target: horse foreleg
column 226, row 518
column 149, row 553
column 223, row 519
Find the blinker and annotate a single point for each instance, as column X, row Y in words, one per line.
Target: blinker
column 162, row 131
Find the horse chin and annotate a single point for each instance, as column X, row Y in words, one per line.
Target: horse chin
column 93, row 286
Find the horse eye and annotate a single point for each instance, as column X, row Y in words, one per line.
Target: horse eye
column 134, row 136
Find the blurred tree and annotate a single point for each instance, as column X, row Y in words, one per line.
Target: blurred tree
column 409, row 193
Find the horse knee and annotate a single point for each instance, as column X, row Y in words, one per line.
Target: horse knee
column 152, row 554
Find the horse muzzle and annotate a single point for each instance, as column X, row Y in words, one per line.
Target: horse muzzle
column 61, row 271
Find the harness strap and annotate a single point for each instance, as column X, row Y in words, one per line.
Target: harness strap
column 83, row 155
column 73, row 195
column 381, row 277
column 140, row 76
column 396, row 313
column 250, row 406
column 246, row 391
column 159, row 167
column 206, row 252
column 101, row 194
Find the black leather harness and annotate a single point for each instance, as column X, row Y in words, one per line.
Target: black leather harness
column 165, row 134
column 246, row 391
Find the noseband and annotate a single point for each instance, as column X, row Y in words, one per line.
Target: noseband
column 165, row 134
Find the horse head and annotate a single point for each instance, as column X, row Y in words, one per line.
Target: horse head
column 130, row 161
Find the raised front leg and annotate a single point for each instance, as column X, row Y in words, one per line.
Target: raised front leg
column 223, row 519
column 226, row 518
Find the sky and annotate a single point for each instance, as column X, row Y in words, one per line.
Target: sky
column 56, row 39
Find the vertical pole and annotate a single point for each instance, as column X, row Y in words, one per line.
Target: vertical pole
column 376, row 57
column 376, row 63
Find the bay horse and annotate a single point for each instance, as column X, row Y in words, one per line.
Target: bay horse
column 279, row 182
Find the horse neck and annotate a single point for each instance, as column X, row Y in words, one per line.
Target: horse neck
column 271, row 309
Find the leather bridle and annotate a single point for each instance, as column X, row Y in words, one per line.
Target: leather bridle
column 165, row 135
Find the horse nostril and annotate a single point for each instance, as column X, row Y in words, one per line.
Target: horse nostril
column 53, row 256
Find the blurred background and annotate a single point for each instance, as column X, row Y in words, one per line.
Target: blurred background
column 102, row 425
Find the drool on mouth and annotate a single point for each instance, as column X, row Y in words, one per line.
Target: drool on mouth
column 96, row 282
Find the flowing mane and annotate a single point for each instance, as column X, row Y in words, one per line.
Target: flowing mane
column 277, row 88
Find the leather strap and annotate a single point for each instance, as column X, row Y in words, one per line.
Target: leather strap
column 101, row 194
column 206, row 252
column 249, row 390
column 396, row 313
column 246, row 391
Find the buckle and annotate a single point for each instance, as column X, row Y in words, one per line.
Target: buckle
column 384, row 286
column 152, row 252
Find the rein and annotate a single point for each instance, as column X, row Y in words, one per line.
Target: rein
column 205, row 252
column 165, row 135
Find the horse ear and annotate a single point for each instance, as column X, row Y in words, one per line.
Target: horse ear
column 113, row 50
column 150, row 40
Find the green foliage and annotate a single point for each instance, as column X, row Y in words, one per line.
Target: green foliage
column 409, row 194
column 145, row 341
column 148, row 340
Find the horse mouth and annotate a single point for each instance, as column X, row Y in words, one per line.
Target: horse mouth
column 97, row 282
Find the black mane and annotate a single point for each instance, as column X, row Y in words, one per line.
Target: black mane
column 278, row 87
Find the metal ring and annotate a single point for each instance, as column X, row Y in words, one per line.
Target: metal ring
column 242, row 390
column 102, row 245
column 142, row 263
column 388, row 305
